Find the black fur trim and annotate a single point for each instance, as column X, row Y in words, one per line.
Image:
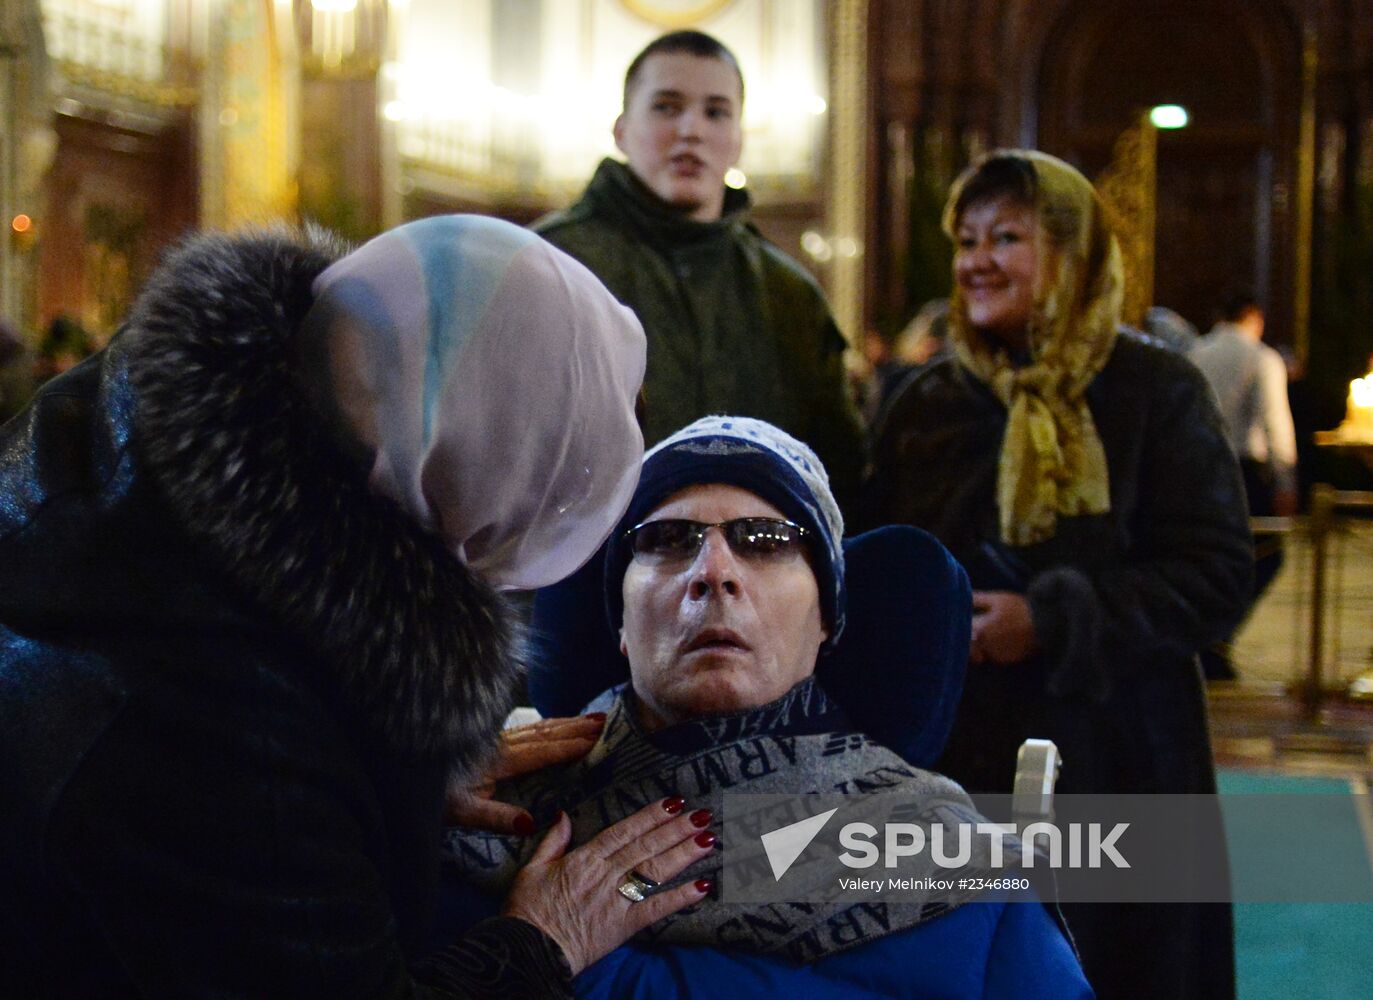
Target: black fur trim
column 425, row 652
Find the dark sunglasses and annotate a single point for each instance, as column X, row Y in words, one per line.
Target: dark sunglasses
column 757, row 539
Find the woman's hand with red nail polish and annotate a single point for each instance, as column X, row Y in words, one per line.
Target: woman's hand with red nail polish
column 573, row 896
column 523, row 749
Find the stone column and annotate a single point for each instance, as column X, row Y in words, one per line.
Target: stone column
column 849, row 166
column 26, row 144
column 248, row 112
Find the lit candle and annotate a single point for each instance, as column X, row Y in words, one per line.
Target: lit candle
column 1359, row 412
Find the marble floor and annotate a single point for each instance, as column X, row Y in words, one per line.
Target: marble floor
column 1260, row 719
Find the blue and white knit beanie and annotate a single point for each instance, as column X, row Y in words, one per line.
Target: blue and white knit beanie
column 755, row 456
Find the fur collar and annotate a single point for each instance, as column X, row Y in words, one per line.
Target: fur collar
column 425, row 652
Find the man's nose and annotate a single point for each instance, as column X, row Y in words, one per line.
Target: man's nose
column 689, row 124
column 716, row 569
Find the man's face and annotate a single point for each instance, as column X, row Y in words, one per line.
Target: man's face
column 681, row 130
column 719, row 632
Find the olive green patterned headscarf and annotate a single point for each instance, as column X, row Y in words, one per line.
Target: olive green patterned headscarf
column 1052, row 462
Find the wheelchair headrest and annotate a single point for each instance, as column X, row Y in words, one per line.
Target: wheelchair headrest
column 897, row 669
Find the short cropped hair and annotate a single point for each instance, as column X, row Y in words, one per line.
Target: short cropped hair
column 1236, row 303
column 694, row 43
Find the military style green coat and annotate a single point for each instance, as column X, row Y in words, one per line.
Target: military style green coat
column 734, row 325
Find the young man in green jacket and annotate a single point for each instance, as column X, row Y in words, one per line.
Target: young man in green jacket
column 734, row 325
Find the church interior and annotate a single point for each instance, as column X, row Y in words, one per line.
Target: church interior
column 1233, row 140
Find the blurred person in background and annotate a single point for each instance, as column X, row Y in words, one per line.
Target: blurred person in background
column 1249, row 379
column 1082, row 476
column 65, row 343
column 16, row 372
column 1170, row 329
column 920, row 341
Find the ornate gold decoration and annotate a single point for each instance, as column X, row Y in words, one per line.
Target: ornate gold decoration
column 340, row 41
column 1129, row 189
column 111, row 235
column 118, row 59
column 678, row 14
column 255, row 155
column 154, row 92
column 27, row 141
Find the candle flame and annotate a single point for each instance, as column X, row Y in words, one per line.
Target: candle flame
column 1361, row 392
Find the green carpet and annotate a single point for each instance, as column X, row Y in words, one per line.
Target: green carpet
column 1300, row 950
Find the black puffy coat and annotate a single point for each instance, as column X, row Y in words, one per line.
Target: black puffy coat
column 1121, row 604
column 233, row 682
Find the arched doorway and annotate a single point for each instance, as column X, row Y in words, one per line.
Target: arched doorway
column 1226, row 183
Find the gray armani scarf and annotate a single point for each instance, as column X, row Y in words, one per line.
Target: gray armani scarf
column 801, row 743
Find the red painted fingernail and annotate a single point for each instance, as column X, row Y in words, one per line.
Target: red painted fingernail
column 705, row 839
column 704, row 885
column 701, row 817
column 598, row 716
column 524, row 824
column 673, row 805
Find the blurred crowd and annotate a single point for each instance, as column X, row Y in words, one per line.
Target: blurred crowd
column 22, row 370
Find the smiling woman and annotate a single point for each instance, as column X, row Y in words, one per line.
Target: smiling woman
column 1082, row 476
column 995, row 265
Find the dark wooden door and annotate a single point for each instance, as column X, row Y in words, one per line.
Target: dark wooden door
column 1225, row 211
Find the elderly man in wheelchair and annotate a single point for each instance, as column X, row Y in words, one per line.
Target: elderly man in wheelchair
column 765, row 654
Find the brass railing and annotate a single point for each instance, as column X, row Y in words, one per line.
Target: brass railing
column 1330, row 517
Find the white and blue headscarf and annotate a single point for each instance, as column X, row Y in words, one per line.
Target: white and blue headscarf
column 491, row 380
column 756, row 456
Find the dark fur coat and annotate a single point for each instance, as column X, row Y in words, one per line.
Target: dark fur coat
column 1121, row 603
column 422, row 648
column 233, row 682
